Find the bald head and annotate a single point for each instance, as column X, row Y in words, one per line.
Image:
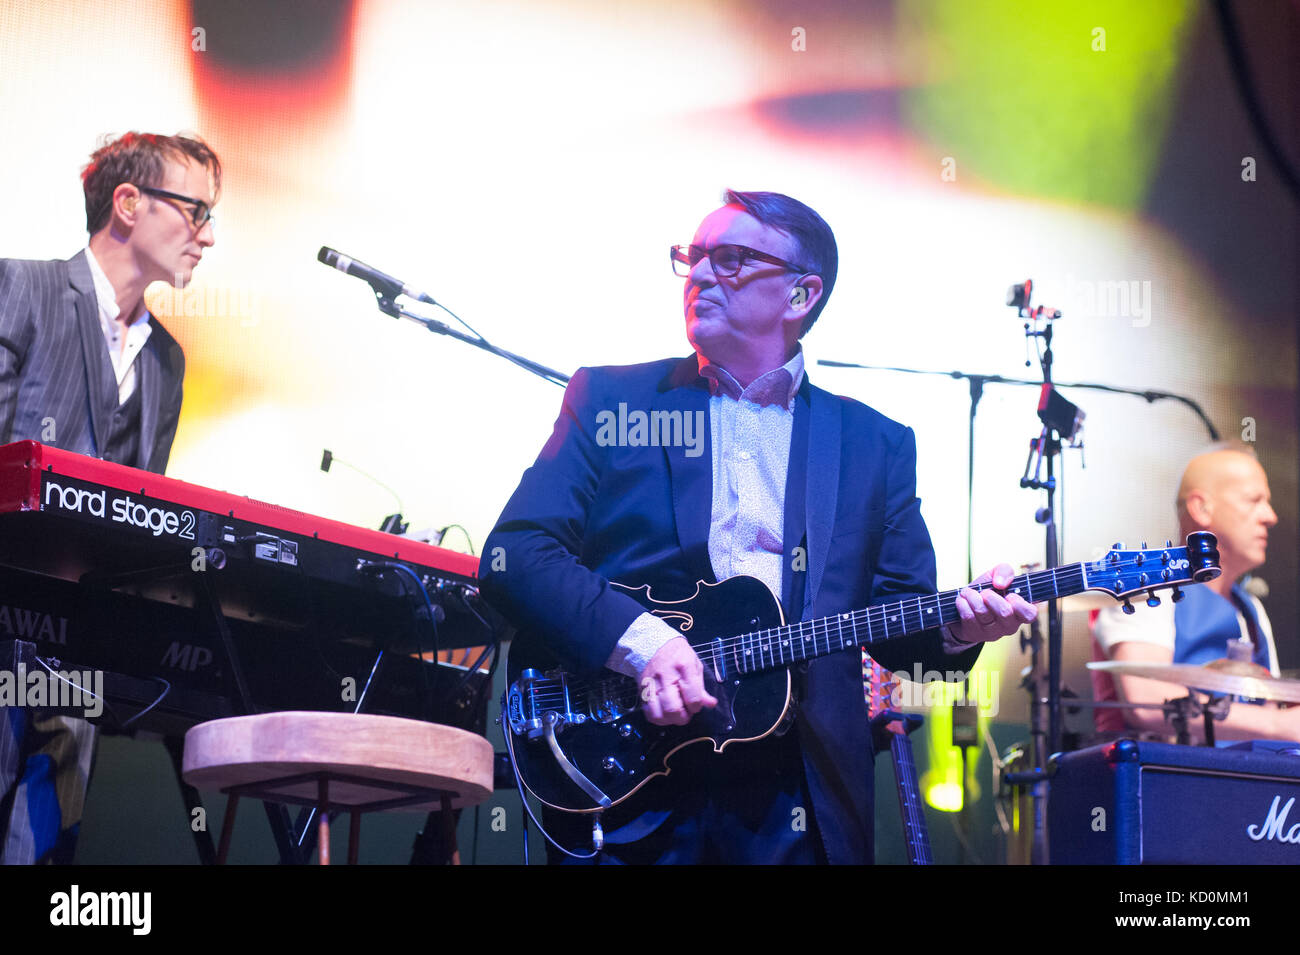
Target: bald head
column 1210, row 473
column 1226, row 492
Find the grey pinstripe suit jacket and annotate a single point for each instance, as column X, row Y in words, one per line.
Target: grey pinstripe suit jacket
column 55, row 367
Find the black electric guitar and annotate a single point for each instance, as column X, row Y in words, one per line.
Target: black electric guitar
column 583, row 745
column 889, row 728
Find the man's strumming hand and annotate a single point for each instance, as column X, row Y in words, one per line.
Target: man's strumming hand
column 672, row 685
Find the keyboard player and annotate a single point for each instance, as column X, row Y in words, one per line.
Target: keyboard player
column 84, row 366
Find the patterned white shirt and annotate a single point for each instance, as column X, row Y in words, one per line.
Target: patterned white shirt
column 750, row 430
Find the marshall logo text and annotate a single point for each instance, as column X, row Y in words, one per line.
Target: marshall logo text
column 1274, row 826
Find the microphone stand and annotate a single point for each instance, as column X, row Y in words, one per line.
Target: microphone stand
column 389, row 306
column 978, row 381
column 1048, row 447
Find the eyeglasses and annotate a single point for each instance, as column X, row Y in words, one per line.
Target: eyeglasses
column 200, row 215
column 726, row 260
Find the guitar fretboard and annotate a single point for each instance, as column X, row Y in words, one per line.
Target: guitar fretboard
column 796, row 642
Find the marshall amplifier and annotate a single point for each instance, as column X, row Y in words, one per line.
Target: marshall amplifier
column 1131, row 802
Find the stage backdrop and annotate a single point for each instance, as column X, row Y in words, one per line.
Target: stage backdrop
column 529, row 163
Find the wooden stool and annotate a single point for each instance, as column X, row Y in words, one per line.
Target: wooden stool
column 353, row 762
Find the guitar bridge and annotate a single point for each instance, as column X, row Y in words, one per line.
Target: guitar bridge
column 534, row 697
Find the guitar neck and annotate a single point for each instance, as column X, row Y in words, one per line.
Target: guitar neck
column 909, row 799
column 796, row 642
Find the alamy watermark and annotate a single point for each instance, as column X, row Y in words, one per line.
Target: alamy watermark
column 932, row 688
column 208, row 301
column 129, row 909
column 56, row 689
column 1109, row 298
column 651, row 429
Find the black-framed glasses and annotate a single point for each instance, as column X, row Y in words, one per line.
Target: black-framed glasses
column 200, row 214
column 727, row 260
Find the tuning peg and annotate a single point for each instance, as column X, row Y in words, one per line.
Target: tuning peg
column 1152, row 599
column 1177, row 595
column 1128, row 607
column 1168, row 543
column 1143, row 545
column 1118, row 545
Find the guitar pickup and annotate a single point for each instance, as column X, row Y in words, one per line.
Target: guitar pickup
column 608, row 699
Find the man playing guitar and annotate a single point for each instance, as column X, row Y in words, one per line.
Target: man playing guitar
column 812, row 494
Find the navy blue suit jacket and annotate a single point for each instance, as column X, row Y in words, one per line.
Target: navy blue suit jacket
column 586, row 514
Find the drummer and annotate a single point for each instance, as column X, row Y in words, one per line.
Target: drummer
column 1224, row 491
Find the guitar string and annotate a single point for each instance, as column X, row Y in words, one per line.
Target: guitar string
column 549, row 691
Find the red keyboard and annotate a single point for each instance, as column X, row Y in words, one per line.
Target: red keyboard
column 233, row 604
column 36, row 478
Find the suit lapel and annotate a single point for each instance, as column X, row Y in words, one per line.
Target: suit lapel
column 794, row 569
column 691, row 477
column 823, row 483
column 100, row 381
column 147, row 380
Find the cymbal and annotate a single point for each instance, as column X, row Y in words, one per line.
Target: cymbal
column 1211, row 678
column 1240, row 668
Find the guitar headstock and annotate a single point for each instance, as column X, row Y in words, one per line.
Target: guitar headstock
column 879, row 684
column 1128, row 573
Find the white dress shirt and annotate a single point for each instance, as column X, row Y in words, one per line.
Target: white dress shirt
column 750, row 429
column 136, row 334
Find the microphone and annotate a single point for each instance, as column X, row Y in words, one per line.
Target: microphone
column 384, row 285
column 1020, row 295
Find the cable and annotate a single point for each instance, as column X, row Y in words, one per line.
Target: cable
column 1250, row 98
column 496, row 351
column 108, row 709
column 493, row 646
column 523, row 798
column 472, row 552
column 433, row 620
column 474, row 668
column 167, row 688
column 374, row 668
